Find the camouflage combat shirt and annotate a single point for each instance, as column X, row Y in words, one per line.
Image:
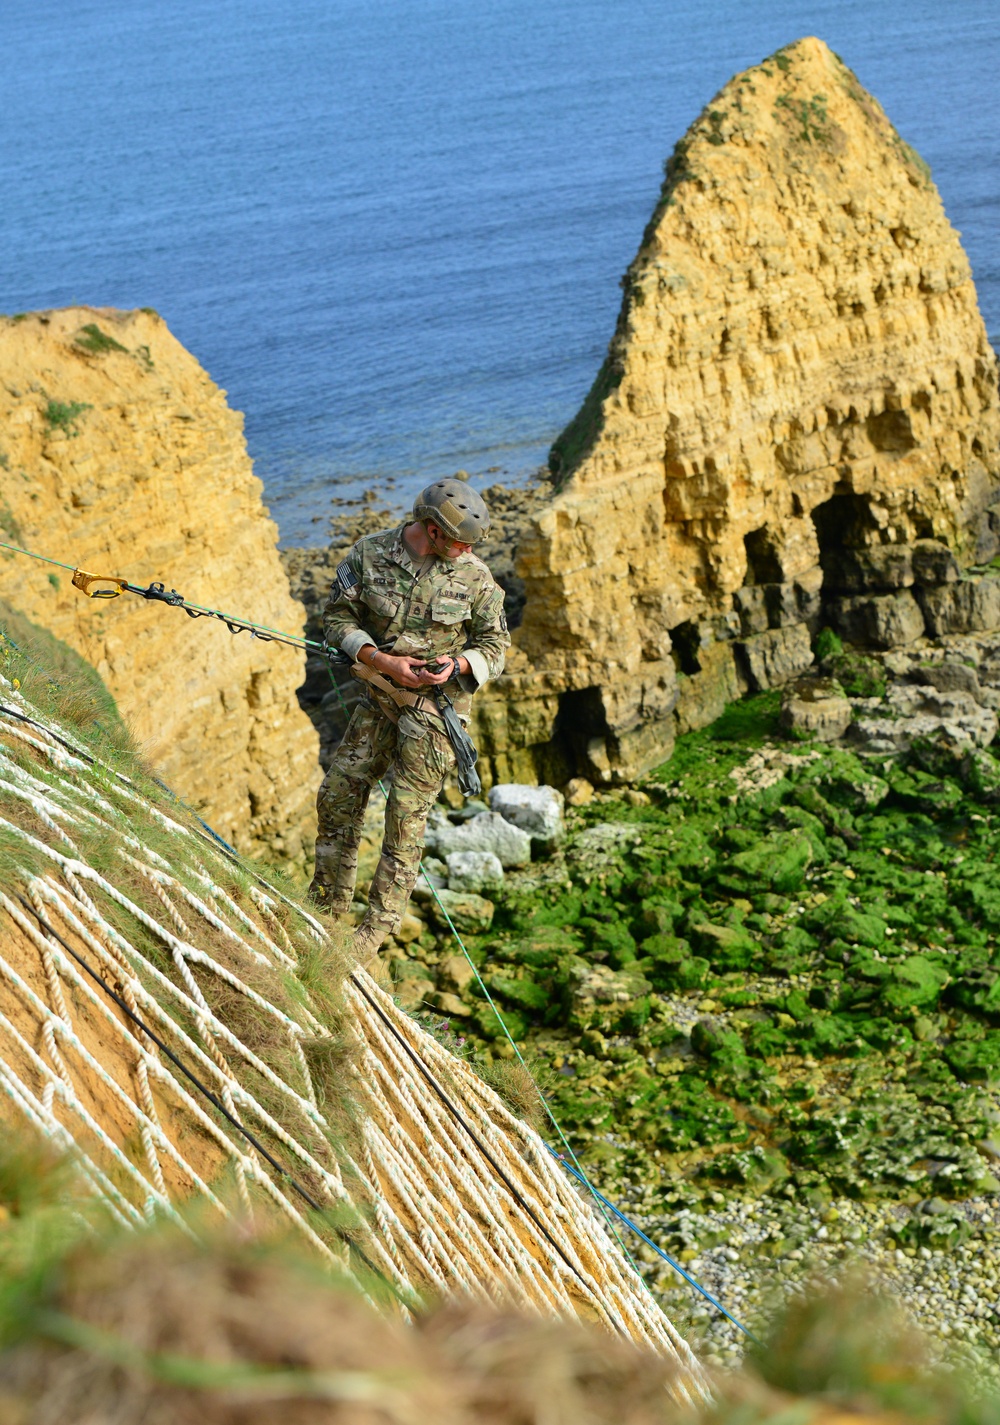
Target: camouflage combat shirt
column 428, row 607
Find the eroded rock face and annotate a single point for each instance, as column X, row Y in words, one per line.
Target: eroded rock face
column 799, row 395
column 119, row 454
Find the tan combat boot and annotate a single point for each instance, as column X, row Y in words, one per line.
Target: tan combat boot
column 365, row 944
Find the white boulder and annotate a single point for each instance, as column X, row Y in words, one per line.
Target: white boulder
column 536, row 810
column 479, row 871
column 489, row 832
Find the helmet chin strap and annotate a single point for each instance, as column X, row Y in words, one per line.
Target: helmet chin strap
column 443, row 540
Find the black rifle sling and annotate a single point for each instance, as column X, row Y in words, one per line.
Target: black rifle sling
column 466, row 755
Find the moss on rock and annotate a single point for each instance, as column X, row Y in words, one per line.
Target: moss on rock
column 780, row 973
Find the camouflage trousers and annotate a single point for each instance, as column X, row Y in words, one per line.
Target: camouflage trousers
column 418, row 757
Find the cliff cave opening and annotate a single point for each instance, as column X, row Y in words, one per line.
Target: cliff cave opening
column 843, row 522
column 763, row 565
column 686, row 641
column 580, row 724
column 892, row 432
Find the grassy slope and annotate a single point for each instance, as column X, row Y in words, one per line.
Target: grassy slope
column 58, row 683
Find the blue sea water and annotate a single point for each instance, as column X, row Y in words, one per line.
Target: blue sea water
column 393, row 229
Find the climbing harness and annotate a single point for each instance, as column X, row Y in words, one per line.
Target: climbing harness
column 384, row 690
column 98, row 586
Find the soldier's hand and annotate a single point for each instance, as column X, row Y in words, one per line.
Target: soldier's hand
column 406, row 670
column 429, row 678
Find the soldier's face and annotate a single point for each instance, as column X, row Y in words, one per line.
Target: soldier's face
column 443, row 545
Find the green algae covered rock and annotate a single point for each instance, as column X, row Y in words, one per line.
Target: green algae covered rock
column 756, row 1170
column 778, row 862
column 612, row 939
column 917, row 981
column 936, row 1224
column 843, row 779
column 667, row 962
column 860, row 675
column 658, row 915
column 722, row 1047
column 487, row 1021
column 839, row 916
column 727, row 947
column 981, row 774
column 977, row 989
column 923, row 791
column 541, row 949
column 469, row 913
column 602, row 998
column 976, row 1061
column 697, row 1118
column 525, row 993
column 688, row 972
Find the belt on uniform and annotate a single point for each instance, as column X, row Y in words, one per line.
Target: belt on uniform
column 391, row 700
column 399, row 696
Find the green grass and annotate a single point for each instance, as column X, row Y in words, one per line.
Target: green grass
column 90, row 338
column 63, row 415
column 57, row 679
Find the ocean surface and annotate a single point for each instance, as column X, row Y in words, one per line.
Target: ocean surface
column 393, row 229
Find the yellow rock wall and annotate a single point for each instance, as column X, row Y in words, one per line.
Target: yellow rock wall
column 799, row 324
column 119, row 454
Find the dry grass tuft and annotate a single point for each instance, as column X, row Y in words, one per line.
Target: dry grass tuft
column 852, row 1346
column 517, row 1086
column 156, row 1328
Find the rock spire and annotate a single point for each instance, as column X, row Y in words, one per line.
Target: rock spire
column 799, row 395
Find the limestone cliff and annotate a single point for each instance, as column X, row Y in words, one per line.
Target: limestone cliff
column 799, row 380
column 118, row 453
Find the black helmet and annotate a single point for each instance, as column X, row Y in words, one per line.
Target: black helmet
column 459, row 510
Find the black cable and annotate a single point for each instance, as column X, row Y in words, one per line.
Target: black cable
column 76, row 751
column 204, row 1089
column 497, row 1168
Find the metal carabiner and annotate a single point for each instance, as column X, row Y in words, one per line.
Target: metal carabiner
column 83, row 581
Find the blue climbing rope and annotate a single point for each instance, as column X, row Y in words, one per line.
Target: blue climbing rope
column 633, row 1227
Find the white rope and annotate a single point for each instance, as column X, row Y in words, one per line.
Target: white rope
column 426, row 1204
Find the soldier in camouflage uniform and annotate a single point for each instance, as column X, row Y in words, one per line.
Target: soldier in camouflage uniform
column 402, row 599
